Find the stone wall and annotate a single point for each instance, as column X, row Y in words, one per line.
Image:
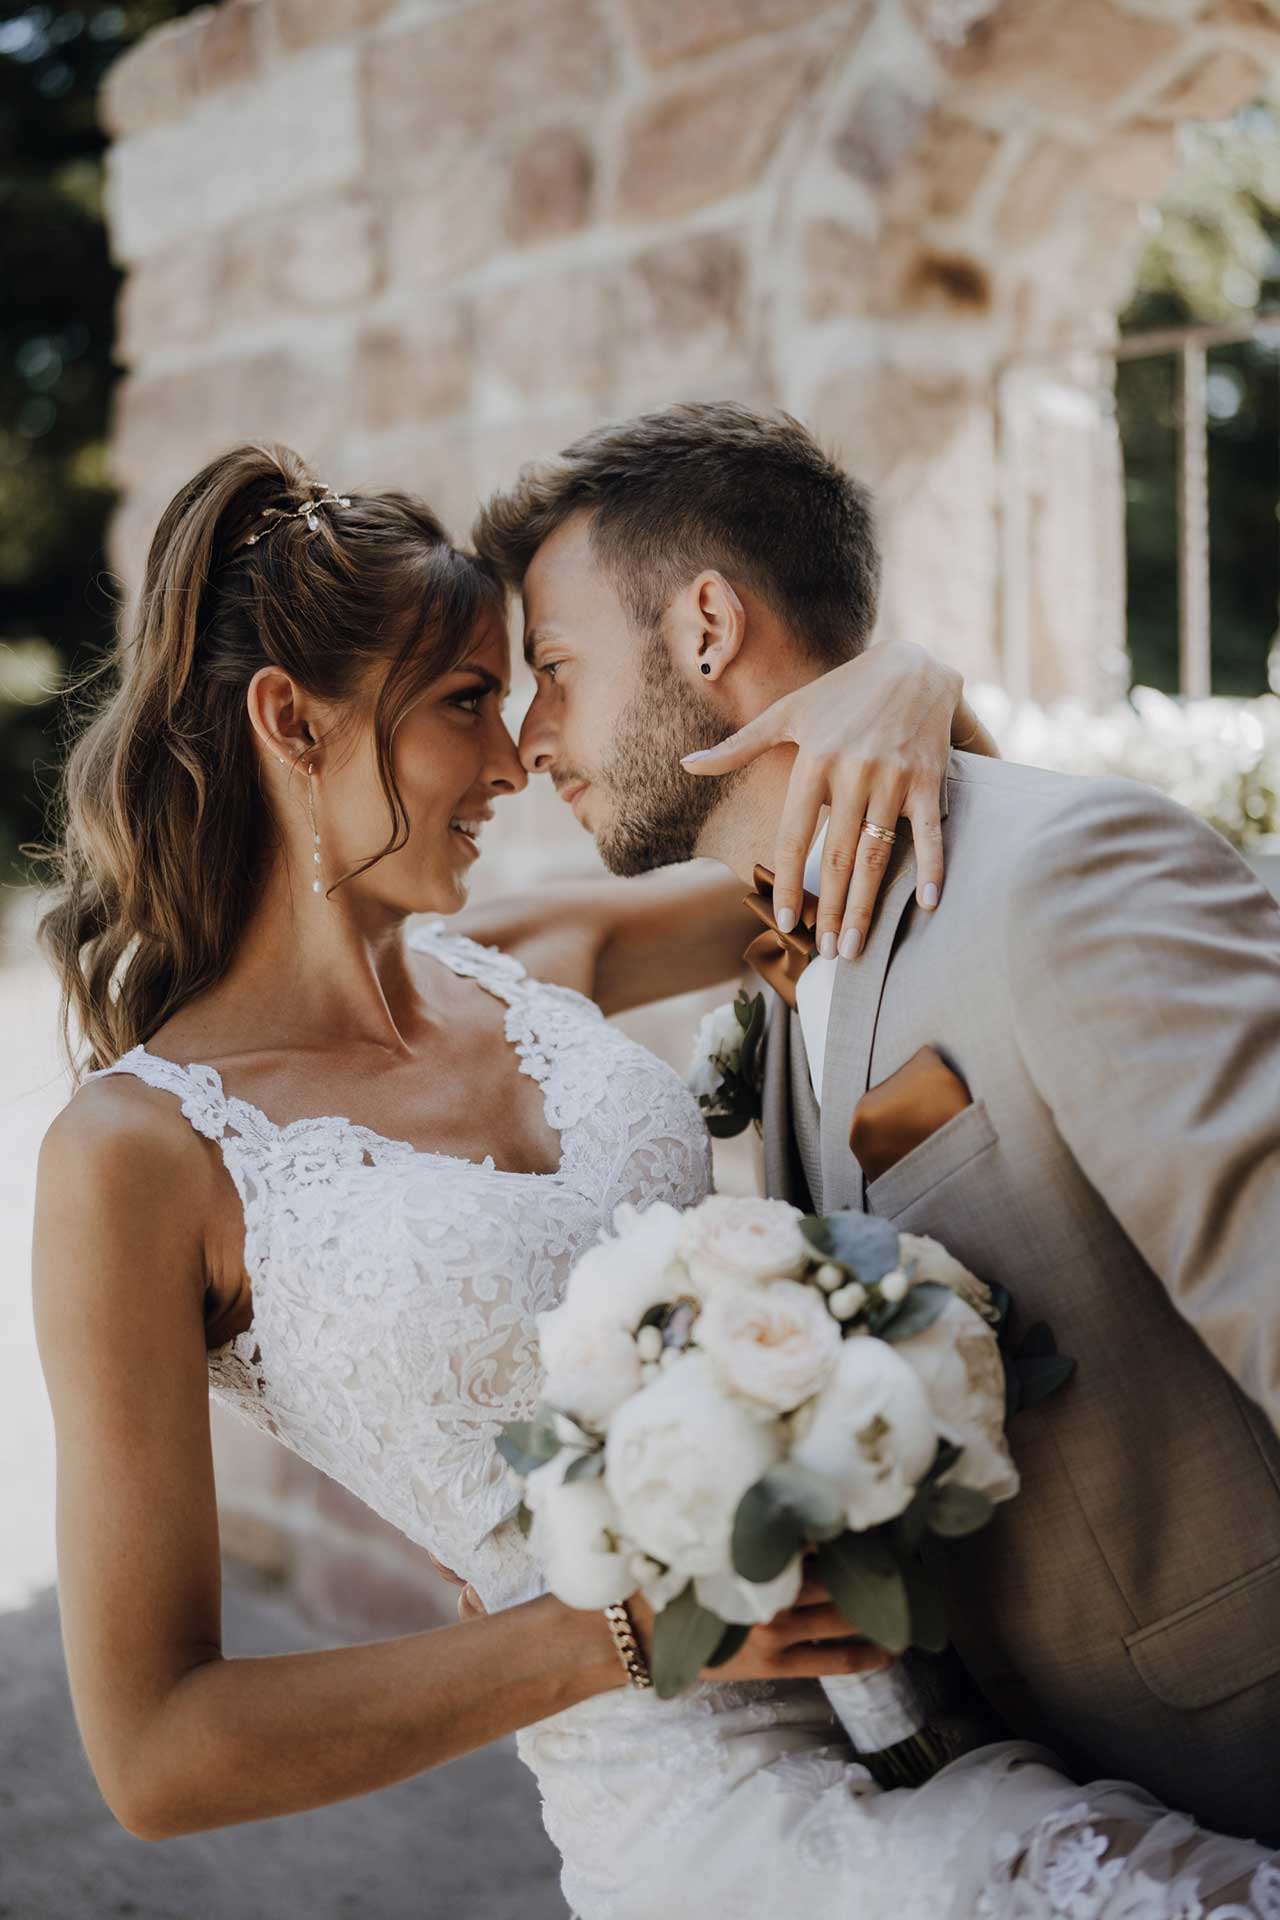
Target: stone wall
column 425, row 241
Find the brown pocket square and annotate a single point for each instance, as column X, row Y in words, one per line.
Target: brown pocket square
column 891, row 1120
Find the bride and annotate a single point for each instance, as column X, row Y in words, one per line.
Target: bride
column 329, row 1167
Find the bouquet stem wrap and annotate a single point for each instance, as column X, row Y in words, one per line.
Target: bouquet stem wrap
column 886, row 1715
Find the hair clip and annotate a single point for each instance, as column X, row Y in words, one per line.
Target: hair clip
column 307, row 511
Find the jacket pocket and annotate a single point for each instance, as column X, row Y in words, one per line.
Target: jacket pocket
column 962, row 1139
column 1217, row 1646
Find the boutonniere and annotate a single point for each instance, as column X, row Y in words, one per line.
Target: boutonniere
column 727, row 1071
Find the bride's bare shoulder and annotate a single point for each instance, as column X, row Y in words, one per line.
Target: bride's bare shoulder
column 117, row 1136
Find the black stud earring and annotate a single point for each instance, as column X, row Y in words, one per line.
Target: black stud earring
column 706, row 666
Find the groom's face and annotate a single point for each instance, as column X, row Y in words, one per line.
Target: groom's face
column 612, row 713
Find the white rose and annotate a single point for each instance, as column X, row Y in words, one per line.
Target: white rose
column 777, row 1342
column 748, row 1602
column 869, row 1432
column 679, row 1456
column 569, row 1536
column 620, row 1279
column 926, row 1259
column 717, row 1046
column 592, row 1365
column 957, row 1361
column 741, row 1241
column 658, row 1584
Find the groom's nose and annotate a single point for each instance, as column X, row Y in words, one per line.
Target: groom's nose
column 536, row 745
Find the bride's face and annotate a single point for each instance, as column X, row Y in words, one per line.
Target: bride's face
column 452, row 757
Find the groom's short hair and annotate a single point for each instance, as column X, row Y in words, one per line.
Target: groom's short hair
column 706, row 484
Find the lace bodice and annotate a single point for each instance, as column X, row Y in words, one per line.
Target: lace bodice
column 395, row 1290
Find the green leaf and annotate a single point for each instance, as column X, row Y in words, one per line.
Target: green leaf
column 685, row 1635
column 860, row 1242
column 752, row 1041
column 528, row 1444
column 955, row 1511
column 1041, row 1376
column 524, row 1519
column 742, row 1008
column 927, row 1606
column 726, row 1126
column 587, row 1466
column 943, row 1461
column 732, row 1639
column 866, row 1583
column 784, row 1510
column 1037, row 1343
column 919, row 1310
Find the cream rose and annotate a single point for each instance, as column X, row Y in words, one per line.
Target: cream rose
column 870, row 1431
column 776, row 1343
column 679, row 1456
column 717, row 1048
column 746, row 1603
column 592, row 1365
column 620, row 1279
column 925, row 1259
column 571, row 1536
column 738, row 1241
column 957, row 1361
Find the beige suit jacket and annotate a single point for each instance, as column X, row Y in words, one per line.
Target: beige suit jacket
column 1104, row 972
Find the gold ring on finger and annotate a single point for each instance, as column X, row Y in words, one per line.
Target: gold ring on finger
column 879, row 833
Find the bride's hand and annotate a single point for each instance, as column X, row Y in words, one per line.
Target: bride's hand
column 873, row 738
column 809, row 1640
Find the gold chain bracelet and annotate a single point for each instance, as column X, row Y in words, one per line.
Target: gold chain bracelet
column 629, row 1650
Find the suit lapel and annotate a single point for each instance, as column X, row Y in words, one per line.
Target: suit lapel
column 784, row 1172
column 805, row 1113
column 855, row 1004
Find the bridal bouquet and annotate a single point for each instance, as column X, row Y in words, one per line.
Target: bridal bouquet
column 728, row 1385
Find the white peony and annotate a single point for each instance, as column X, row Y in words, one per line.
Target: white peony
column 717, row 1047
column 679, row 1456
column 869, row 1432
column 957, row 1361
column 729, row 1240
column 746, row 1603
column 620, row 1279
column 776, row 1343
column 592, row 1365
column 570, row 1536
column 925, row 1259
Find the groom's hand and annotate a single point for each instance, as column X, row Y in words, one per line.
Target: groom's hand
column 810, row 1639
column 873, row 739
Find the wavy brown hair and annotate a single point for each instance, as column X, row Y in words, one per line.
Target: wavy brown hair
column 163, row 833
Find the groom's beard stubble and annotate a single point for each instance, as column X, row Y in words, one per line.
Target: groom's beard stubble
column 659, row 809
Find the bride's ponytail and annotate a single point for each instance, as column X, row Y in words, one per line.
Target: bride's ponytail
column 164, row 833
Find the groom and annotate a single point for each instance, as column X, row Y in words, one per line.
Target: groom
column 1069, row 1073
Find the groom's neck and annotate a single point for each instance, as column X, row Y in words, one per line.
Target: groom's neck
column 742, row 832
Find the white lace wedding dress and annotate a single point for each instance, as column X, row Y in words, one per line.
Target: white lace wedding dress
column 394, row 1301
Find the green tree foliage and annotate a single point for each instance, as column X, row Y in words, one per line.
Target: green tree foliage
column 1213, row 257
column 56, row 373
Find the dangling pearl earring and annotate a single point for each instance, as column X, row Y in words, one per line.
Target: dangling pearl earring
column 317, row 883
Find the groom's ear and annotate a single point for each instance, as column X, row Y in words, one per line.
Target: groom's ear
column 706, row 626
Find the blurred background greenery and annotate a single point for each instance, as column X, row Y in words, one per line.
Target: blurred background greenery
column 1213, row 255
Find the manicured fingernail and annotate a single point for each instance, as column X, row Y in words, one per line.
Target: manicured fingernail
column 786, row 919
column 850, row 944
column 827, row 946
column 929, row 898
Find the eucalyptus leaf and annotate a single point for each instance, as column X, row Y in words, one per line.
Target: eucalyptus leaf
column 524, row 1519
column 731, row 1641
column 955, row 1511
column 783, row 1511
column 919, row 1310
column 752, row 1041
column 742, row 1008
column 866, row 1583
column 1037, row 1343
column 528, row 1444
column 587, row 1466
column 928, row 1608
column 1041, row 1376
column 685, row 1635
column 862, row 1243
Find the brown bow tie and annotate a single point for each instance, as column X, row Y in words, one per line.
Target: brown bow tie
column 780, row 958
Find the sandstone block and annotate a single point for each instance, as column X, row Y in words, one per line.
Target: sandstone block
column 1134, row 164
column 1075, row 60
column 547, row 337
column 905, row 277
column 302, row 23
column 448, row 214
column 950, row 164
column 880, row 419
column 710, row 137
column 837, row 264
column 170, row 181
column 415, row 372
column 477, row 67
column 324, row 253
column 433, row 460
column 682, row 309
column 550, row 194
column 227, row 51
column 169, row 299
column 1219, row 83
column 667, row 30
column 880, row 133
column 1037, row 189
column 155, row 80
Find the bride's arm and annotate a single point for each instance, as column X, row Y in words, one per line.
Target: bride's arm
column 870, row 739
column 181, row 1737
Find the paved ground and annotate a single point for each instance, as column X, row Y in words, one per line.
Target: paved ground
column 464, row 1842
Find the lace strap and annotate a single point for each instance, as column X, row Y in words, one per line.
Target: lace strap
column 500, row 972
column 198, row 1088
